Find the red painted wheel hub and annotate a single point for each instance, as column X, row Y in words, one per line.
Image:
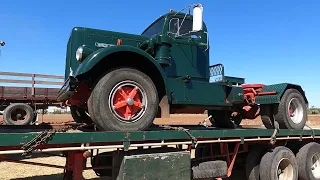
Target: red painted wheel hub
column 290, row 112
column 127, row 102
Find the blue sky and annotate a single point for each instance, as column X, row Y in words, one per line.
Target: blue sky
column 264, row 41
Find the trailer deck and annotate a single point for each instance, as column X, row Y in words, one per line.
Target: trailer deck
column 78, row 145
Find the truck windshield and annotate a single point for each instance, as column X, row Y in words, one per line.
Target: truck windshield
column 156, row 28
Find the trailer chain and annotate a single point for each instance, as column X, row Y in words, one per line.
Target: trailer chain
column 41, row 138
column 275, row 132
column 193, row 139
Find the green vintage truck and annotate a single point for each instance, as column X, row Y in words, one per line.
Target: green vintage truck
column 122, row 82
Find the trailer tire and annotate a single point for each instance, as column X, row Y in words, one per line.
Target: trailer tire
column 210, row 169
column 307, row 157
column 253, row 163
column 280, row 160
column 223, row 119
column 17, row 111
column 79, row 115
column 112, row 93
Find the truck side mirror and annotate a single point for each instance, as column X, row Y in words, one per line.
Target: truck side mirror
column 197, row 18
column 2, row 43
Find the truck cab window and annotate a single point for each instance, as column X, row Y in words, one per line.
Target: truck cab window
column 154, row 29
column 186, row 27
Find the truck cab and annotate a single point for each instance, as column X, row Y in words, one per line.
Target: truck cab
column 121, row 81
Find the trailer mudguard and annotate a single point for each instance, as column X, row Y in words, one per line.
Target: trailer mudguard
column 94, row 58
column 280, row 89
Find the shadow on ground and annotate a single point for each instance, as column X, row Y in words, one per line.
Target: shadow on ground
column 33, row 156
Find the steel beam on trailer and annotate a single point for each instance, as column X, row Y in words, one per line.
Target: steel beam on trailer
column 17, row 139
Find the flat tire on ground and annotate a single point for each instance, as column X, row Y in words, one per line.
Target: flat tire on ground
column 18, row 114
column 279, row 164
column 210, row 169
column 124, row 99
column 308, row 159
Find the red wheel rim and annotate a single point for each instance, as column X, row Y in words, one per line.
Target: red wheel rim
column 127, row 101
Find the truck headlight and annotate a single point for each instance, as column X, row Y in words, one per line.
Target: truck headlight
column 83, row 52
column 79, row 53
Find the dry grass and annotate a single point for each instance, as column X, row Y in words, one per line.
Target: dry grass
column 9, row 170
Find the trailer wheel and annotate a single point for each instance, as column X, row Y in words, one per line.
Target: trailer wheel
column 280, row 164
column 308, row 159
column 124, row 100
column 79, row 115
column 223, row 119
column 18, row 114
column 253, row 163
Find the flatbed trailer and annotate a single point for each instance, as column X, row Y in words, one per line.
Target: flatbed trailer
column 172, row 152
column 32, row 92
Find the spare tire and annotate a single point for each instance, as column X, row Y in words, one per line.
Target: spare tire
column 18, row 114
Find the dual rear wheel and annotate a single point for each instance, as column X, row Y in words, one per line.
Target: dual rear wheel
column 281, row 163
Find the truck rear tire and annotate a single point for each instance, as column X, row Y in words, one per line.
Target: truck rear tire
column 281, row 162
column 18, row 114
column 291, row 112
column 308, row 159
column 124, row 99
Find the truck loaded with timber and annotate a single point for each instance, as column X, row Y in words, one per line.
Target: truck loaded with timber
column 122, row 82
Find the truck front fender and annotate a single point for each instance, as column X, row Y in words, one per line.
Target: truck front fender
column 280, row 89
column 94, row 58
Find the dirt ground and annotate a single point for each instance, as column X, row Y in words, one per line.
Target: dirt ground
column 175, row 119
column 14, row 171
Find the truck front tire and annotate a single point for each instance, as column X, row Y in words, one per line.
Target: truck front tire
column 124, row 99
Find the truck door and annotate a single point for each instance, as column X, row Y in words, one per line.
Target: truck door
column 189, row 53
column 190, row 57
